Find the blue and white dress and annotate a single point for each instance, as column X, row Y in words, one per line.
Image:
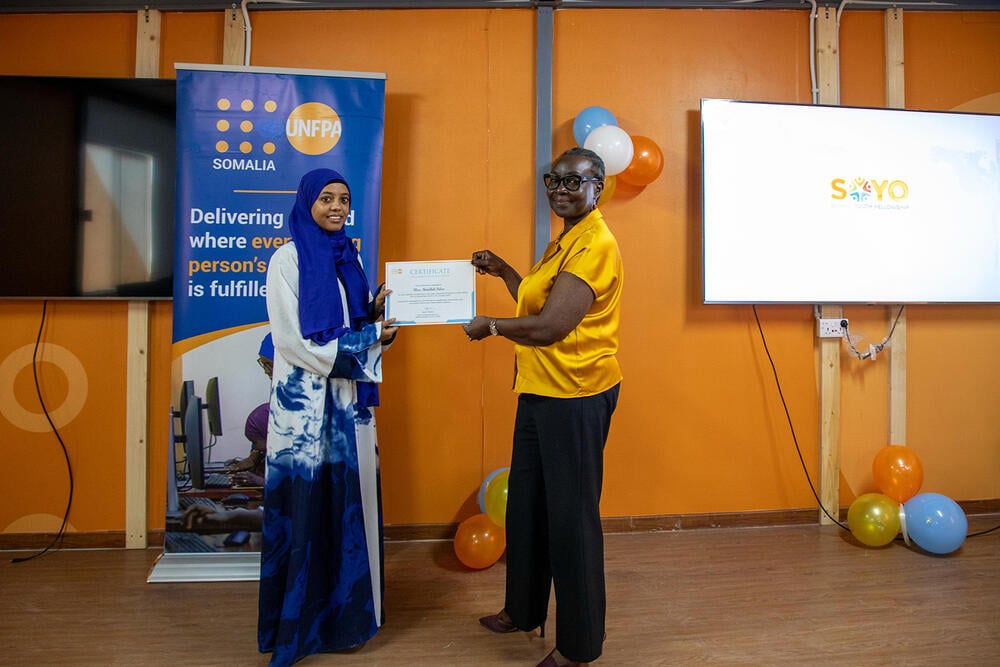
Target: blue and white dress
column 321, row 563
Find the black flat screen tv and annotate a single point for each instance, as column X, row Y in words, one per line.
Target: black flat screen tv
column 835, row 205
column 87, row 189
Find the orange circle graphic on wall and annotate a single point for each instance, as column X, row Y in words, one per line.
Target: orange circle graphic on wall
column 34, row 420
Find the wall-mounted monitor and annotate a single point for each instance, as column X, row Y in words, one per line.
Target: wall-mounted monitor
column 88, row 195
column 823, row 204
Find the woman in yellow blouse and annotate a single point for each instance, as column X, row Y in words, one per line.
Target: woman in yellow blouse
column 566, row 335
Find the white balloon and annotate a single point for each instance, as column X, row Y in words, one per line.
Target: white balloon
column 613, row 144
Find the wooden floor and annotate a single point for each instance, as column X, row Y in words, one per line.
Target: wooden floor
column 802, row 595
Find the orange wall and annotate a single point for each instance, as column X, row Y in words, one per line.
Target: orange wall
column 953, row 365
column 700, row 427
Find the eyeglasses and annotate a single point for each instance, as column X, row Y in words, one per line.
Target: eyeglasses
column 571, row 182
column 266, row 364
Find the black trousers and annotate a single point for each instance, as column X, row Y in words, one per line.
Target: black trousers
column 554, row 531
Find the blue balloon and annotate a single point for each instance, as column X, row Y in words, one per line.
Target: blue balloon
column 935, row 523
column 482, row 488
column 588, row 119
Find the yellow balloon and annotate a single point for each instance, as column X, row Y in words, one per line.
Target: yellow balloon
column 609, row 190
column 496, row 499
column 874, row 519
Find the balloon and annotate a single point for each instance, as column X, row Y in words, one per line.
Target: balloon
column 935, row 523
column 496, row 498
column 873, row 519
column 646, row 164
column 588, row 119
column 898, row 472
column 486, row 483
column 609, row 190
column 479, row 542
column 613, row 145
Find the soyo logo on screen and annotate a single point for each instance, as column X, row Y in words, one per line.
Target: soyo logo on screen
column 871, row 192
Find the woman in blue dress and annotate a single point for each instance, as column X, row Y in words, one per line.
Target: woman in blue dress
column 321, row 556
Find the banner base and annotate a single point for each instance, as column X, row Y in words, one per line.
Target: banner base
column 188, row 567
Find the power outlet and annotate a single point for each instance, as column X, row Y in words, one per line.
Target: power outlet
column 832, row 328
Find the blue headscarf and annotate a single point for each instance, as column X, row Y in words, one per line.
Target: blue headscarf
column 266, row 347
column 325, row 257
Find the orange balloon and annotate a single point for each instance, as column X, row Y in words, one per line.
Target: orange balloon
column 646, row 164
column 609, row 190
column 479, row 542
column 898, row 472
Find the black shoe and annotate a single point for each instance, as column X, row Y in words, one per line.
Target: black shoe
column 496, row 623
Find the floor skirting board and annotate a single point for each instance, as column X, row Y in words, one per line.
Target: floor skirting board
column 446, row 531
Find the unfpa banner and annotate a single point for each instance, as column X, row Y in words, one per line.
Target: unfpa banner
column 245, row 137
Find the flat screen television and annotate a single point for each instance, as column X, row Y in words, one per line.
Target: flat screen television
column 88, row 188
column 837, row 205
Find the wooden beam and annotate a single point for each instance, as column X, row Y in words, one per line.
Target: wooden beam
column 894, row 84
column 895, row 98
column 147, row 65
column 234, row 38
column 147, row 44
column 897, row 381
column 829, row 429
column 136, row 425
column 827, row 56
column 828, row 83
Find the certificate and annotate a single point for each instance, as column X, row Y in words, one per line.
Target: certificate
column 440, row 292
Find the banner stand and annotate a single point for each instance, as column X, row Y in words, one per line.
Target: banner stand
column 171, row 568
column 245, row 137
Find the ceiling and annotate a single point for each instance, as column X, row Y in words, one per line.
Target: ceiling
column 64, row 6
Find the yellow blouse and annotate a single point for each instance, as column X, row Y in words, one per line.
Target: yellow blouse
column 583, row 363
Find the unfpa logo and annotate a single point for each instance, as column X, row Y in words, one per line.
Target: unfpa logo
column 246, row 129
column 313, row 128
column 251, row 128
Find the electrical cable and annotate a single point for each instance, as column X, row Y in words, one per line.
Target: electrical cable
column 788, row 417
column 69, row 467
column 184, row 474
column 984, row 532
column 208, row 448
column 247, row 32
column 874, row 349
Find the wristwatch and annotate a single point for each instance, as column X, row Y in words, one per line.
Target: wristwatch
column 493, row 328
